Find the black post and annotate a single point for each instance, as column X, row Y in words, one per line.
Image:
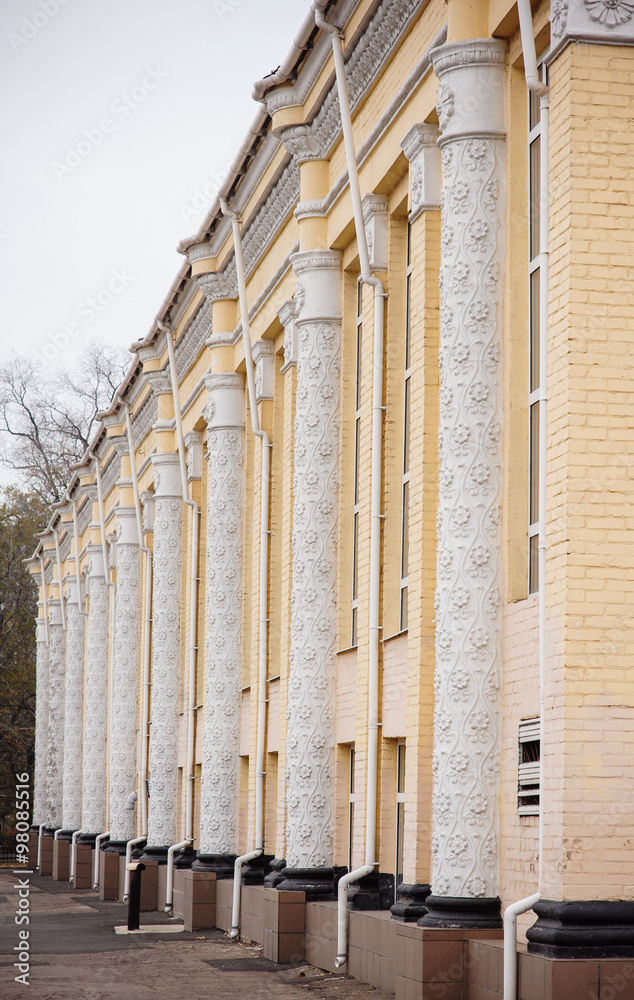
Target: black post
column 134, row 899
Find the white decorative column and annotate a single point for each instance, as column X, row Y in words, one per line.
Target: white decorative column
column 225, row 416
column 41, row 725
column 467, row 725
column 125, row 680
column 310, row 734
column 166, row 655
column 73, row 710
column 55, row 757
column 93, row 817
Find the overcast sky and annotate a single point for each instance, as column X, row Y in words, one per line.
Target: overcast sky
column 118, row 121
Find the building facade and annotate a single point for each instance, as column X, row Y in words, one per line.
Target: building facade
column 343, row 582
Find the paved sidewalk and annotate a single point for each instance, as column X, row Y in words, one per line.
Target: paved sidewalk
column 75, row 955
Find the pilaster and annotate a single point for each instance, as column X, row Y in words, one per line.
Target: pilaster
column 467, row 725
column 55, row 756
column 225, row 416
column 125, row 678
column 166, row 658
column 73, row 709
column 310, row 714
column 96, row 697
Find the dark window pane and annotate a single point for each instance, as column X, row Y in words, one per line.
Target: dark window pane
column 533, row 576
column 404, row 612
column 406, row 427
column 534, row 308
column 534, row 197
column 405, row 532
column 534, row 468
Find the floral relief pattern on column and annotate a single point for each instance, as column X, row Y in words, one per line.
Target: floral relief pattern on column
column 41, row 726
column 124, row 709
column 310, row 734
column 166, row 604
column 223, row 658
column 469, row 556
column 73, row 717
column 55, row 756
column 95, row 706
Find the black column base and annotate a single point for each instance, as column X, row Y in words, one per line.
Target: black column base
column 462, row 911
column 583, row 929
column 410, row 901
column 87, row 839
column 137, row 850
column 317, row 883
column 155, row 853
column 65, row 835
column 49, row 831
column 253, row 872
column 184, row 858
column 372, row 892
column 221, row 864
column 274, row 877
column 115, row 847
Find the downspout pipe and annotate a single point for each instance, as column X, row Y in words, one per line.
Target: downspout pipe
column 193, row 622
column 536, row 86
column 264, row 562
column 59, row 579
column 39, row 846
column 45, row 603
column 147, row 640
column 73, row 855
column 376, row 517
column 102, row 836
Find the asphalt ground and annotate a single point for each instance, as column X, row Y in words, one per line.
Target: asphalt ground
column 76, row 955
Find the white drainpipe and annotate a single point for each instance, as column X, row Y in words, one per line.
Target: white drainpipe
column 39, row 846
column 45, row 603
column 102, row 836
column 73, row 855
column 264, row 561
column 193, row 621
column 59, row 579
column 368, row 278
column 534, row 84
column 145, row 710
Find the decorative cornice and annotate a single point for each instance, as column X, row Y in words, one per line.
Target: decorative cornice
column 473, row 52
column 263, row 351
column 198, row 251
column 597, row 22
column 375, row 224
column 420, row 146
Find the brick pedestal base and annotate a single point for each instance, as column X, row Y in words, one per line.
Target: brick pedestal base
column 198, row 899
column 46, row 856
column 84, row 866
column 61, row 860
column 108, row 876
column 284, row 925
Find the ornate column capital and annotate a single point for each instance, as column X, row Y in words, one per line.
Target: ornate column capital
column 317, row 296
column 420, row 146
column 94, row 566
column 287, row 316
column 167, row 476
column 217, row 286
column 226, row 400
column 375, row 224
column 194, row 445
column 126, row 526
column 470, row 98
column 302, row 142
column 160, row 382
column 263, row 356
column 598, row 22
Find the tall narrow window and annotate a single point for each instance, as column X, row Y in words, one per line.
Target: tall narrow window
column 534, row 144
column 350, row 808
column 357, row 449
column 406, row 435
column 400, row 814
column 528, row 768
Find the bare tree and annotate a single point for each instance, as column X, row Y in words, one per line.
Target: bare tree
column 48, row 417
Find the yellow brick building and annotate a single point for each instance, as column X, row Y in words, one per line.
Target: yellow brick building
column 334, row 619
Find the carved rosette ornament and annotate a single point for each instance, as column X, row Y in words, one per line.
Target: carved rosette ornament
column 310, row 733
column 467, row 721
column 125, row 677
column 73, row 711
column 166, row 658
column 55, row 755
column 41, row 725
column 591, row 21
column 93, row 819
column 225, row 416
